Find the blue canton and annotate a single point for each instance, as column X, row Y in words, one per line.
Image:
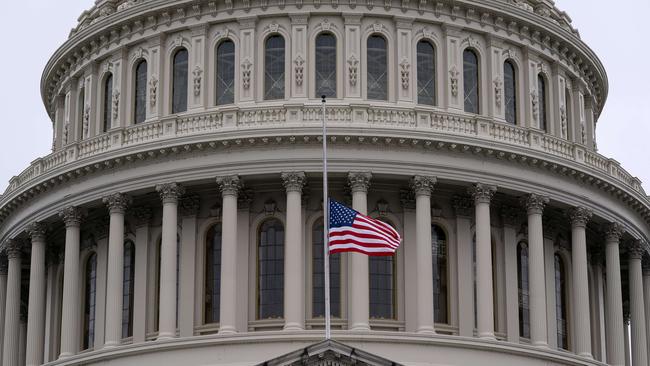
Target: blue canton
column 341, row 215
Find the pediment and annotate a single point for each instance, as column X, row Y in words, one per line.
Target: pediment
column 329, row 353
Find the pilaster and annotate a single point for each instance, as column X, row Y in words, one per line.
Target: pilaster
column 352, row 39
column 247, row 58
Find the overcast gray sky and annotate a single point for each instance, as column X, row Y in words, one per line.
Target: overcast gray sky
column 618, row 34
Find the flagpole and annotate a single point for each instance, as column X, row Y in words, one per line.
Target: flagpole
column 326, row 222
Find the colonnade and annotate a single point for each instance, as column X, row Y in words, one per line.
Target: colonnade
column 294, row 286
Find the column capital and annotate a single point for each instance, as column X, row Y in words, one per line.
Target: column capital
column 580, row 216
column 359, row 181
column 190, row 205
column 170, row 192
column 117, row 202
column 482, row 193
column 229, row 185
column 423, row 185
column 142, row 215
column 614, row 232
column 534, row 203
column 294, row 181
column 462, row 205
column 71, row 216
column 36, row 231
column 636, row 249
column 14, row 248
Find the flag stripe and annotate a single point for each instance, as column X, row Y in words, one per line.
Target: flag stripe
column 363, row 248
column 361, row 233
column 379, row 225
column 362, row 226
column 366, row 242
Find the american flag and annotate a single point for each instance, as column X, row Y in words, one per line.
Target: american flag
column 351, row 231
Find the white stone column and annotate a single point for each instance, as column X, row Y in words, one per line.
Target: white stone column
column 615, row 326
column 599, row 283
column 359, row 288
column 170, row 193
column 189, row 209
column 294, row 289
column 36, row 307
column 142, row 217
column 463, row 211
column 117, row 204
column 580, row 216
column 637, row 309
column 3, row 298
column 11, row 344
column 646, row 299
column 70, row 317
column 511, row 222
column 229, row 187
column 482, row 195
column 423, row 186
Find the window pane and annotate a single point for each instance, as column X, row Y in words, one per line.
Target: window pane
column 179, row 98
column 326, row 65
column 522, row 282
column 567, row 102
column 226, row 73
column 213, row 274
column 89, row 302
column 541, row 89
column 510, row 92
column 108, row 98
column 439, row 253
column 274, row 68
column 561, row 304
column 470, row 81
column 141, row 92
column 381, row 287
column 128, row 282
column 81, row 103
column 318, row 276
column 426, row 73
column 377, row 68
column 270, row 269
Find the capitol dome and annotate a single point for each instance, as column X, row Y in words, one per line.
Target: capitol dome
column 179, row 218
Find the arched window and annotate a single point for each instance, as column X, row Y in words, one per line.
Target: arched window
column 90, row 290
column 541, row 90
column 226, row 72
column 270, row 270
column 377, row 68
column 522, row 285
column 382, row 285
column 568, row 113
column 107, row 107
column 179, row 81
column 81, row 102
column 318, row 276
column 440, row 277
column 470, row 81
column 128, row 283
column 140, row 95
column 326, row 65
column 213, row 274
column 510, row 92
column 561, row 309
column 426, row 73
column 274, row 62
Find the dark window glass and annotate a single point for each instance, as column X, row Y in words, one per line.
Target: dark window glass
column 561, row 304
column 541, row 90
column 567, row 102
column 128, row 283
column 377, row 68
column 426, row 73
column 213, row 274
column 439, row 253
column 80, row 112
column 510, row 92
column 382, row 285
column 274, row 68
column 226, row 73
column 140, row 105
column 89, row 302
column 470, row 81
column 522, row 284
column 318, row 276
column 179, row 87
column 270, row 270
column 107, row 107
column 326, row 65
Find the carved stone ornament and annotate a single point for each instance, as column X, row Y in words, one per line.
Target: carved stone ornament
column 14, row 248
column 294, row 181
column 636, row 249
column 422, row 185
column 325, row 25
column 453, row 78
column 614, row 232
column 382, row 207
column 116, row 103
column 142, row 215
column 86, row 121
column 117, row 202
column 534, row 100
column 153, row 90
column 583, row 134
column 36, row 231
column 534, row 203
column 299, row 63
column 405, row 70
column 246, row 66
column 472, row 42
column 273, row 27
column 190, row 205
column 229, row 185
column 563, row 118
column 498, row 91
column 580, row 216
column 170, row 192
column 407, row 198
column 353, row 69
column 462, row 205
column 71, row 216
column 482, row 193
column 66, row 129
column 376, row 27
column 198, row 75
column 359, row 181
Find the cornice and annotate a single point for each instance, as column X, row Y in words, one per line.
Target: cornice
column 123, row 27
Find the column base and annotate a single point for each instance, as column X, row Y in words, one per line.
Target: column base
column 227, row 329
column 426, row 330
column 293, row 326
column 165, row 336
column 487, row 335
column 111, row 344
column 540, row 344
column 65, row 355
column 586, row 355
column 363, row 327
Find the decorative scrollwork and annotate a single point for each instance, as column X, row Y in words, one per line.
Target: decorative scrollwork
column 246, row 73
column 453, row 78
column 299, row 68
column 198, row 72
column 405, row 70
column 353, row 69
